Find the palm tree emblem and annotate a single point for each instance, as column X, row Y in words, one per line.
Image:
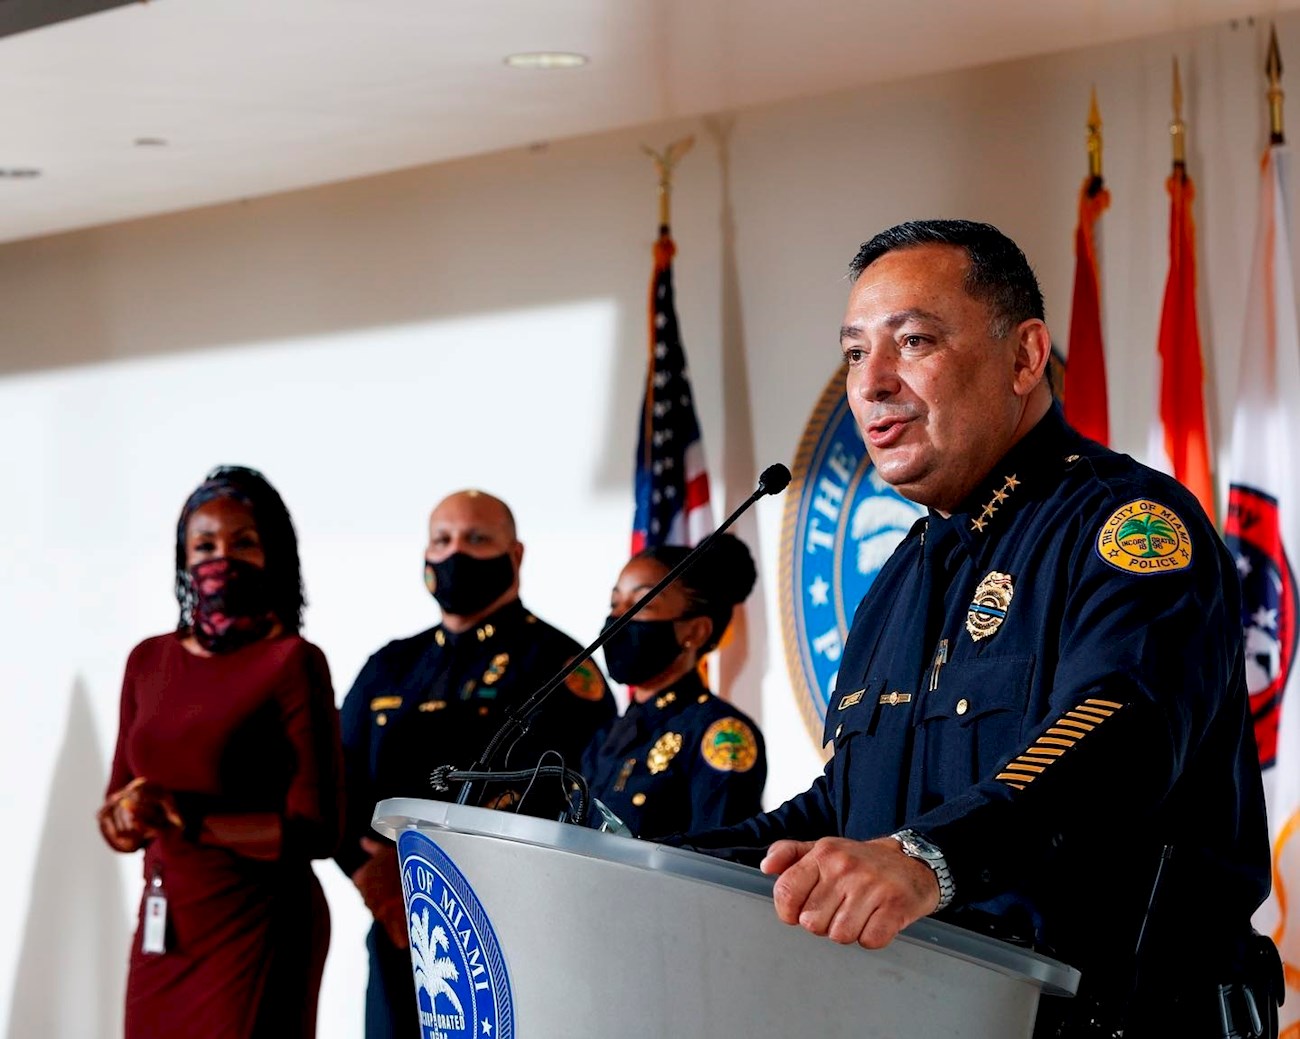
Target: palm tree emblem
column 1147, row 536
column 432, row 972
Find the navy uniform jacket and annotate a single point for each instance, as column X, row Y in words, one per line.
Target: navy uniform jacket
column 679, row 761
column 437, row 698
column 1072, row 702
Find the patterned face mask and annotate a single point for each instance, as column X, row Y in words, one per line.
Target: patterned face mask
column 231, row 604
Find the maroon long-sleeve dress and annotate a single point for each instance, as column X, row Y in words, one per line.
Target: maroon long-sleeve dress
column 245, row 733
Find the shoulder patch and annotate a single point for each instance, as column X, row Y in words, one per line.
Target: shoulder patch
column 1145, row 537
column 729, row 745
column 585, row 683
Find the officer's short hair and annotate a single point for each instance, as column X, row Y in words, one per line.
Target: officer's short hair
column 999, row 274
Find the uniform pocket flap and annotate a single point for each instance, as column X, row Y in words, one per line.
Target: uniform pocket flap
column 852, row 709
column 972, row 689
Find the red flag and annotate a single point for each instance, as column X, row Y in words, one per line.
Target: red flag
column 1085, row 372
column 1185, row 439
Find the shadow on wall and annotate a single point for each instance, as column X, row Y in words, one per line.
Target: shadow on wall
column 744, row 654
column 72, row 963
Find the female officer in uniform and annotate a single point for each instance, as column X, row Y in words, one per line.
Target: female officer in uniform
column 680, row 758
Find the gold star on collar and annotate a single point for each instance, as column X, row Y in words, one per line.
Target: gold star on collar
column 1009, row 484
column 486, row 632
column 439, row 637
column 665, row 700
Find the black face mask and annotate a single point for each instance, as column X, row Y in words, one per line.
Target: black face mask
column 641, row 651
column 465, row 584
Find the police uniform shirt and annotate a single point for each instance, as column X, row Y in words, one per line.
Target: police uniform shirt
column 1049, row 685
column 438, row 697
column 681, row 760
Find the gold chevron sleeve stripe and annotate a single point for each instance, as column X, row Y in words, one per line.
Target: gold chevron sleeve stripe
column 1105, row 703
column 1064, row 733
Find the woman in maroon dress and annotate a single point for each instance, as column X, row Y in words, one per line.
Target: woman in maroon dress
column 227, row 773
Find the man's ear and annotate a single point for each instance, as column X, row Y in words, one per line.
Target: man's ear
column 1033, row 353
column 517, row 554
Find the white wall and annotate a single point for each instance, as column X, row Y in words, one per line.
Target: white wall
column 375, row 344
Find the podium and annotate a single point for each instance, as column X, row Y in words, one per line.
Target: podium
column 530, row 928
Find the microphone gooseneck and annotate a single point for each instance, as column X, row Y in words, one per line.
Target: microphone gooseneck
column 773, row 480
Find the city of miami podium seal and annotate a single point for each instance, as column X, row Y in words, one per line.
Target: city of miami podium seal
column 841, row 522
column 461, row 984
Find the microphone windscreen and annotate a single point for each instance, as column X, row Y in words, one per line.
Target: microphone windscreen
column 775, row 479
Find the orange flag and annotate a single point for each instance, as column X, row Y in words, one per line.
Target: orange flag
column 1085, row 371
column 1185, row 440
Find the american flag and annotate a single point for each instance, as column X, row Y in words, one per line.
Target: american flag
column 672, row 487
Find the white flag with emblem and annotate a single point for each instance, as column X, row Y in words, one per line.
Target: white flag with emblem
column 1263, row 532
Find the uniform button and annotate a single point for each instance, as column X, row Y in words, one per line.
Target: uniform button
column 638, row 799
column 483, row 712
column 381, row 718
column 963, row 705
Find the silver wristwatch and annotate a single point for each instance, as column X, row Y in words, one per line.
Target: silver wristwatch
column 917, row 847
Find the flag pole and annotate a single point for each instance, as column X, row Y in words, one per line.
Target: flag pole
column 1177, row 128
column 665, row 162
column 1273, row 69
column 1095, row 181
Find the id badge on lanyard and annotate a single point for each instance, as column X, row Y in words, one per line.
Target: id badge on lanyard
column 153, row 930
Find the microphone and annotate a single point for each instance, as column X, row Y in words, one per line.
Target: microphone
column 774, row 479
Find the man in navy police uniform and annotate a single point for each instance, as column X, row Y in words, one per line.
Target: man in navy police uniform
column 436, row 699
column 1041, row 704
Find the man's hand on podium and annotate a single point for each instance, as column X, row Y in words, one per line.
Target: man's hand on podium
column 850, row 891
column 380, row 885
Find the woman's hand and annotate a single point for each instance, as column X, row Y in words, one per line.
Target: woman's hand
column 133, row 816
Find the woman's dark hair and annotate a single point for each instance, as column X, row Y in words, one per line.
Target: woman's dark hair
column 718, row 581
column 274, row 528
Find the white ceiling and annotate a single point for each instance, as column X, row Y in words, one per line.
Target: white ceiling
column 259, row 96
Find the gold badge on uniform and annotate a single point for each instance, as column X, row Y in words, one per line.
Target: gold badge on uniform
column 664, row 750
column 729, row 745
column 989, row 608
column 385, row 703
column 1145, row 537
column 496, row 669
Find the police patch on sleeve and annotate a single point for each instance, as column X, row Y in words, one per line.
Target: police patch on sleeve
column 1145, row 537
column 729, row 745
column 585, row 683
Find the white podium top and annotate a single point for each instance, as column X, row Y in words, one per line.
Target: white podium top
column 400, row 813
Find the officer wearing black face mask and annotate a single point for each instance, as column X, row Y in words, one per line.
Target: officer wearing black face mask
column 437, row 698
column 679, row 758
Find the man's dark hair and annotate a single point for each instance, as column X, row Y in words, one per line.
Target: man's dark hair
column 274, row 528
column 999, row 275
